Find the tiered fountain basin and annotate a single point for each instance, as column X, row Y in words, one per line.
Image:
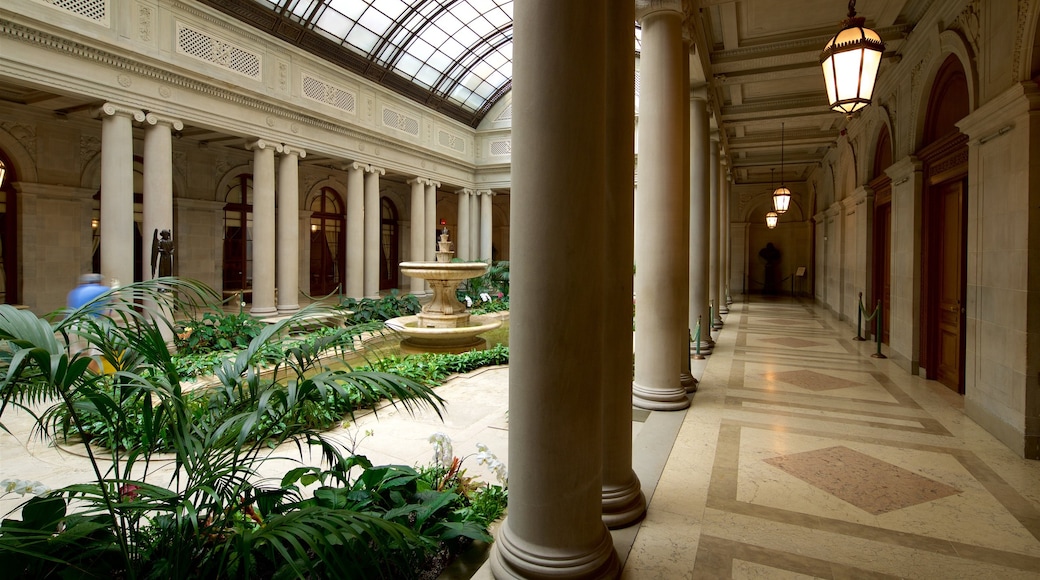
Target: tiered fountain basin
column 443, row 325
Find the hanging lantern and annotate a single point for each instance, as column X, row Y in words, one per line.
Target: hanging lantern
column 850, row 64
column 781, row 195
column 3, row 173
column 771, row 219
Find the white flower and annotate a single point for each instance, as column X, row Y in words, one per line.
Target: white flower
column 442, row 451
column 22, row 487
column 497, row 468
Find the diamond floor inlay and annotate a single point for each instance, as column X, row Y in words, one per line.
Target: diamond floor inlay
column 812, row 380
column 793, row 342
column 874, row 486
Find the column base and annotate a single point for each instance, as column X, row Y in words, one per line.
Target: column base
column 623, row 505
column 651, row 399
column 288, row 309
column 263, row 311
column 688, row 382
column 706, row 347
column 517, row 559
column 724, row 309
column 717, row 324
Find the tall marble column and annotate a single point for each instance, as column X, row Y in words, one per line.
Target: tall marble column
column 554, row 529
column 289, row 229
column 728, row 245
column 117, row 191
column 157, row 210
column 474, row 225
column 686, row 378
column 623, row 499
column 418, row 237
column 355, row 283
column 485, row 225
column 462, row 239
column 430, row 245
column 700, row 224
column 713, row 242
column 373, row 252
column 263, row 226
column 725, row 179
column 659, row 218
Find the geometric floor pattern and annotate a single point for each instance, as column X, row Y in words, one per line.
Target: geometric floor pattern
column 812, row 380
column 793, row 342
column 873, row 485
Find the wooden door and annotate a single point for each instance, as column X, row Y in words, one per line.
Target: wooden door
column 949, row 285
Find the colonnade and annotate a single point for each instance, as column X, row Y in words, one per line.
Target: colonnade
column 473, row 239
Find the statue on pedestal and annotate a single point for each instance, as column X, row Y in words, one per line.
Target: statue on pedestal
column 162, row 253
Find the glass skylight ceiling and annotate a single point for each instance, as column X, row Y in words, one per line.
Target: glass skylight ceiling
column 461, row 50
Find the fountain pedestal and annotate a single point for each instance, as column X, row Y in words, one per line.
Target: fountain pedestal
column 444, row 325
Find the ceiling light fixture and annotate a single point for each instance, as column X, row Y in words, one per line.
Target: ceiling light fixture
column 781, row 195
column 772, row 219
column 850, row 64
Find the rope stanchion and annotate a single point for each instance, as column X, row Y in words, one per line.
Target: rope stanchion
column 877, row 312
column 859, row 320
column 697, row 342
column 336, row 290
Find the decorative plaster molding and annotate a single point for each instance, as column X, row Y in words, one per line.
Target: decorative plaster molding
column 25, row 134
column 144, row 23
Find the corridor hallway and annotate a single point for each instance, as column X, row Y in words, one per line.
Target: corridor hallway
column 801, row 456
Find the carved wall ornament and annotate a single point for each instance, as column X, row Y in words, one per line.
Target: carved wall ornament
column 124, row 80
column 165, row 92
column 967, row 24
column 24, row 134
column 144, row 23
column 1024, row 6
column 283, row 76
column 89, row 147
column 270, row 121
column 294, row 128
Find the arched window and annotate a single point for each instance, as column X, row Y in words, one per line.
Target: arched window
column 328, row 242
column 238, row 234
column 389, row 244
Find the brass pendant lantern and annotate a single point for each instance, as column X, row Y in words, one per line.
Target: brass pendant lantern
column 781, row 195
column 850, row 64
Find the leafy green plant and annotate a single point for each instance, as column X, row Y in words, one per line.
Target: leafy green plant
column 494, row 282
column 213, row 517
column 216, row 330
column 432, row 368
column 386, row 307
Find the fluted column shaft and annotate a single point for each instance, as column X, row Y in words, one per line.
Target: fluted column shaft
column 700, row 208
column 462, row 243
column 485, row 225
column 713, row 234
column 623, row 499
column 660, row 271
column 554, row 529
column 263, row 227
column 117, row 192
column 373, row 252
column 418, row 237
column 289, row 229
column 355, row 284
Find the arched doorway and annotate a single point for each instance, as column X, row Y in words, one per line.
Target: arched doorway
column 328, row 242
column 238, row 234
column 389, row 242
column 944, row 235
column 8, row 233
column 95, row 223
column 881, row 184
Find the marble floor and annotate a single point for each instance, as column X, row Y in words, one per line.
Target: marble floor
column 803, row 457
column 800, row 457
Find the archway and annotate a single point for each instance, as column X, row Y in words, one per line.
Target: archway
column 944, row 155
column 238, row 234
column 881, row 184
column 389, row 244
column 328, row 242
column 9, row 293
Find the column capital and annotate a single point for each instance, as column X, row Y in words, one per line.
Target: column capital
column 646, row 8
column 153, row 119
column 487, row 192
column 293, row 150
column 699, row 92
column 355, row 166
column 418, row 180
column 464, row 191
column 113, row 109
column 374, row 169
column 435, row 184
column 260, row 144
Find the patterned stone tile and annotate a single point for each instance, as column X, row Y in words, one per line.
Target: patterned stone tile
column 874, row 486
column 812, row 380
column 788, row 322
column 793, row 342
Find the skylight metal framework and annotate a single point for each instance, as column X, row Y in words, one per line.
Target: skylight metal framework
column 460, row 51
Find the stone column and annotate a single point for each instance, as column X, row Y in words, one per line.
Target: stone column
column 659, row 219
column 474, row 225
column 700, row 224
column 686, row 378
column 430, row 244
column 485, row 224
column 554, row 529
column 117, row 192
column 462, row 241
column 157, row 210
column 263, row 226
column 623, row 499
column 373, row 229
column 727, row 297
column 713, row 242
column 289, row 229
column 724, row 193
column 355, row 283
column 418, row 237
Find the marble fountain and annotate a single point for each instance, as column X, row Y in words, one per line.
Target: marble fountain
column 444, row 325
